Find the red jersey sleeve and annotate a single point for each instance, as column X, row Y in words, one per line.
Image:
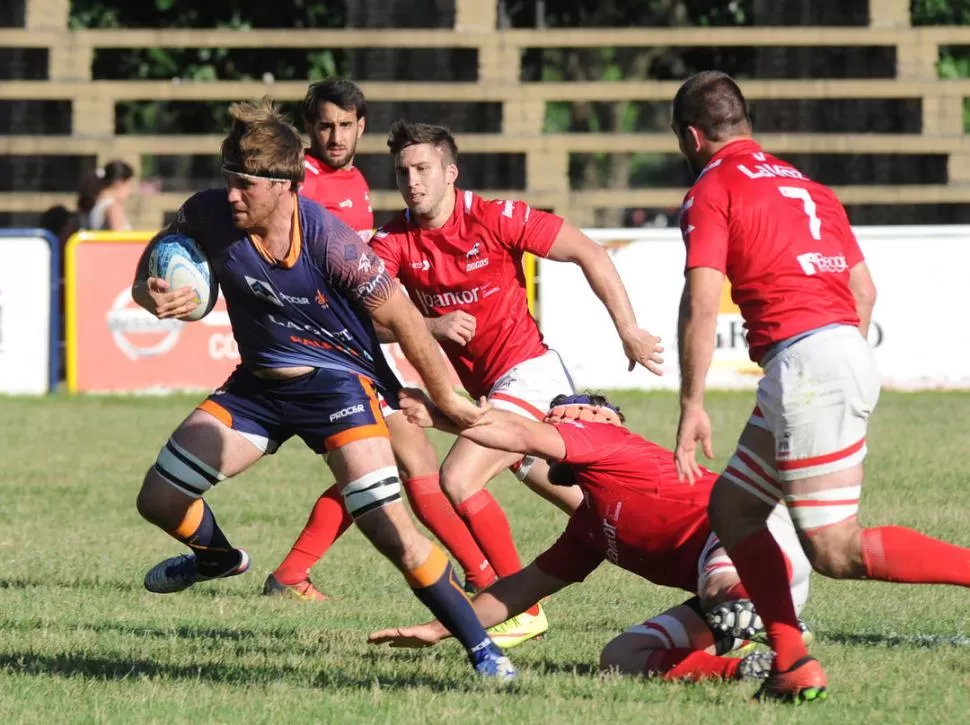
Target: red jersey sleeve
column 570, row 559
column 386, row 246
column 585, row 441
column 704, row 225
column 525, row 229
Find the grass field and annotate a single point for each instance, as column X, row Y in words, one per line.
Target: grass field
column 81, row 641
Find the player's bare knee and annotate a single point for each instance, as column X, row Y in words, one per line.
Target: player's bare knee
column 835, row 551
column 615, row 653
column 457, row 483
column 416, row 462
column 159, row 503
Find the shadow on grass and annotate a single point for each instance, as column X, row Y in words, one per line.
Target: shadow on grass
column 94, row 667
column 103, row 586
column 99, row 585
column 556, row 667
column 876, row 639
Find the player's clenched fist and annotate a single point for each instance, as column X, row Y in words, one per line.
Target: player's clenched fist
column 457, row 326
column 161, row 300
column 643, row 348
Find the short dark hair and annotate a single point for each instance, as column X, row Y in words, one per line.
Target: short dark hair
column 406, row 133
column 712, row 102
column 592, row 399
column 340, row 92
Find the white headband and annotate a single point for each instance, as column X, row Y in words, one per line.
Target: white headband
column 229, row 170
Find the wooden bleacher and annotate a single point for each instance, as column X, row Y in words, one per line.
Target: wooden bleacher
column 523, row 103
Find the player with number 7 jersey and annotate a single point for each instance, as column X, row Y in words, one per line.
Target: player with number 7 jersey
column 783, row 240
column 784, row 243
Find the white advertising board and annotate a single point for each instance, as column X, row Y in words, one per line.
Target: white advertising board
column 921, row 275
column 25, row 315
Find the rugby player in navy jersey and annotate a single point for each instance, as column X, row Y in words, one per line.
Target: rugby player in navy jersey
column 303, row 292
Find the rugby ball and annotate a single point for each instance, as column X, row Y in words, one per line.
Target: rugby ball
column 180, row 261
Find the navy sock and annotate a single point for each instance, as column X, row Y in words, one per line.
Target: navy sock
column 214, row 554
column 443, row 595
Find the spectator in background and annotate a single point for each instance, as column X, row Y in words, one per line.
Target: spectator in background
column 102, row 197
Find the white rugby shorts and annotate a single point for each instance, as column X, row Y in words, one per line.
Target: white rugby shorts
column 815, row 398
column 529, row 387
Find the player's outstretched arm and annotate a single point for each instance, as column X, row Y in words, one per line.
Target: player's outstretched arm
column 505, row 598
column 571, row 245
column 497, row 429
column 696, row 327
column 864, row 291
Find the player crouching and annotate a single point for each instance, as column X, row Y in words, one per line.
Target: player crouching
column 636, row 515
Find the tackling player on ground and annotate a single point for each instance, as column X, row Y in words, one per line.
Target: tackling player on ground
column 796, row 271
column 303, row 292
column 636, row 515
column 334, row 113
column 460, row 258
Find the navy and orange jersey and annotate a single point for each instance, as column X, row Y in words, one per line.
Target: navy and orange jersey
column 310, row 309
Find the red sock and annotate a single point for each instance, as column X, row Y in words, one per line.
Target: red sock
column 766, row 573
column 433, row 509
column 328, row 521
column 898, row 554
column 690, row 664
column 488, row 525
column 737, row 591
column 487, row 522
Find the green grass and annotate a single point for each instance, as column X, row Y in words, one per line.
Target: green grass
column 81, row 641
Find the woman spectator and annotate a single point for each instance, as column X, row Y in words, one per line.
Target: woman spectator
column 102, row 197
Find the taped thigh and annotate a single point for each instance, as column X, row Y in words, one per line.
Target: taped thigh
column 753, row 474
column 185, row 471
column 372, row 491
column 813, row 511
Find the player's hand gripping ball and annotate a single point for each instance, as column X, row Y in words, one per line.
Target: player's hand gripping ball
column 179, row 260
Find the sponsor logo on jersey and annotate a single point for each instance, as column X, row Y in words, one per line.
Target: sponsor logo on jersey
column 262, row 290
column 451, row 298
column 815, row 263
column 609, row 532
column 346, row 204
column 424, row 265
column 473, row 258
column 351, row 410
column 321, row 299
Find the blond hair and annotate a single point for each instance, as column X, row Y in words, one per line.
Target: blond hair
column 262, row 142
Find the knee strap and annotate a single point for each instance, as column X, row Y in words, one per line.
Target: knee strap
column 372, row 491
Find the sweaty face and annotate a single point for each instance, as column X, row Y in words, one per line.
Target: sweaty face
column 423, row 176
column 253, row 200
column 587, row 413
column 334, row 134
